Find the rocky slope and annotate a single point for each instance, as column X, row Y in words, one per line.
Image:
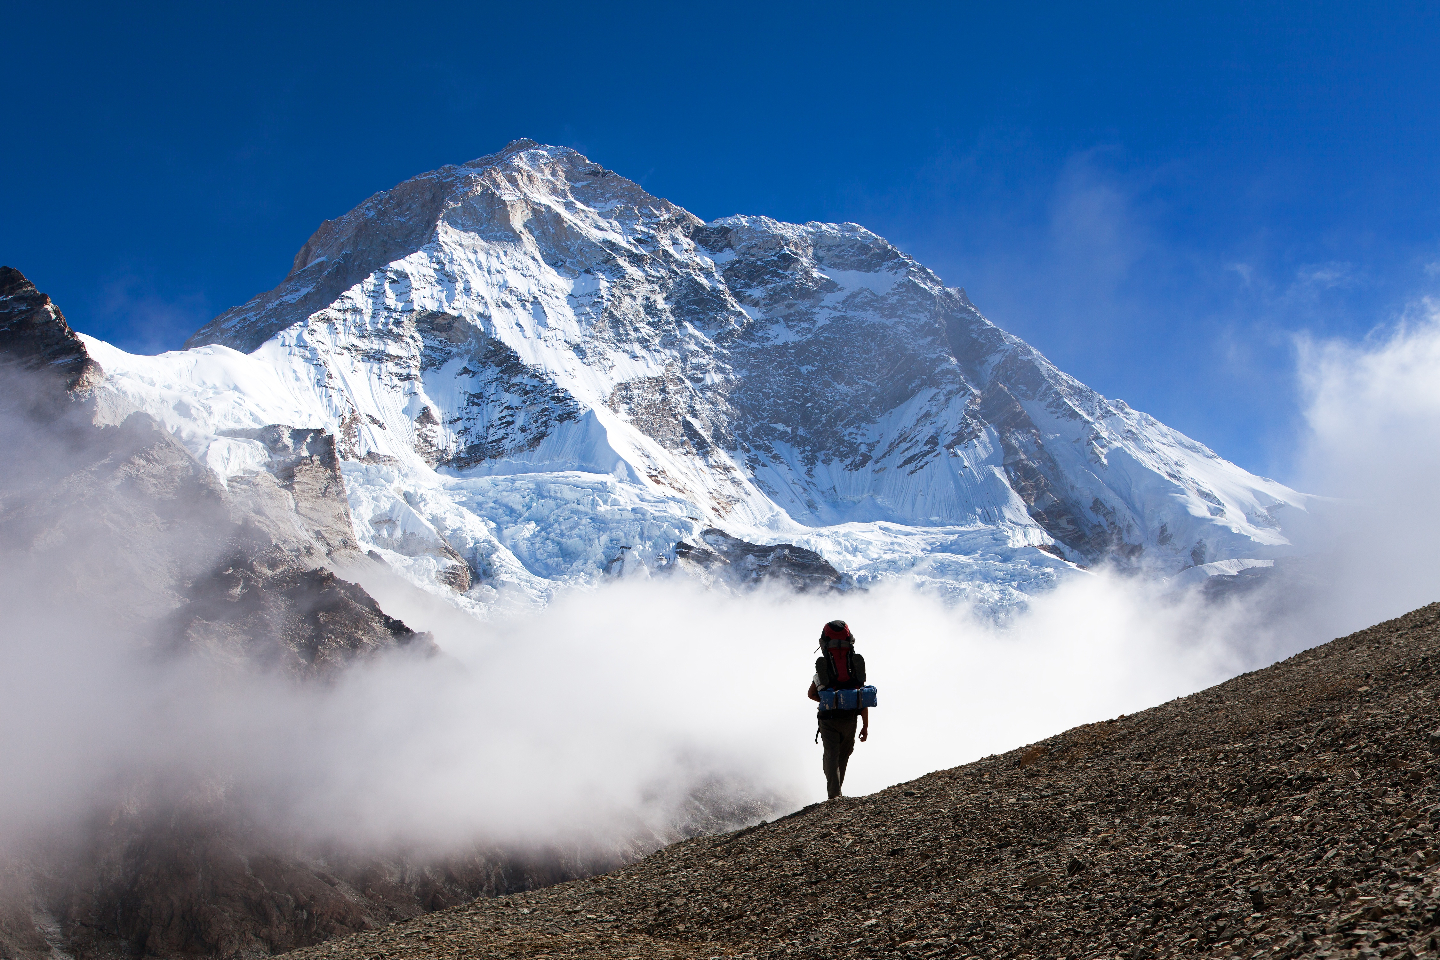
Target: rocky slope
column 1289, row 812
column 530, row 363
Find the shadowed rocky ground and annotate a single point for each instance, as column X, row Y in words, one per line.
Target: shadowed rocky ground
column 1290, row 812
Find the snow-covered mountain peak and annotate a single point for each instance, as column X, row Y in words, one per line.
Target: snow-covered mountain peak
column 527, row 194
column 506, row 347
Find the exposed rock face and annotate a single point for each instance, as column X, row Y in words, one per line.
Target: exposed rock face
column 35, row 336
column 1090, row 531
column 303, row 622
column 122, row 517
column 1290, row 812
column 307, row 466
column 721, row 557
column 128, row 501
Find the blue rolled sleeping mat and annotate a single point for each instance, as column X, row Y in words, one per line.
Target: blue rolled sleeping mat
column 848, row 699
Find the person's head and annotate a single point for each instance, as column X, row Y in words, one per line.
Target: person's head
column 836, row 633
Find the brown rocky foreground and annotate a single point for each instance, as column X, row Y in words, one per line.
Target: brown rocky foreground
column 1289, row 812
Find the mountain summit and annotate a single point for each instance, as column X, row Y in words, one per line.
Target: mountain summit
column 537, row 372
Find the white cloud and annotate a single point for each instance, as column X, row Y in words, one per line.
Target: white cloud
column 1373, row 416
column 593, row 719
column 586, row 723
column 1317, row 277
column 1096, row 233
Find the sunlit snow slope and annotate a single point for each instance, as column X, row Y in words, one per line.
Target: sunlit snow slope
column 540, row 374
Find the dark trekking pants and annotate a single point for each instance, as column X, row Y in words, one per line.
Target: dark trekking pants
column 838, row 736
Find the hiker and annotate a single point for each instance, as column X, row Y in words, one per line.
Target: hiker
column 839, row 667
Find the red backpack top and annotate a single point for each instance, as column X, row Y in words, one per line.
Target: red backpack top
column 840, row 667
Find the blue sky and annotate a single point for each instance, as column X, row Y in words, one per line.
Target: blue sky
column 1160, row 197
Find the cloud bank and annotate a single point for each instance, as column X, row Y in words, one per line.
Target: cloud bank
column 603, row 717
column 1373, row 445
column 595, row 721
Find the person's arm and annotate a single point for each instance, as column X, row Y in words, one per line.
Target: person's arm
column 864, row 724
column 812, row 693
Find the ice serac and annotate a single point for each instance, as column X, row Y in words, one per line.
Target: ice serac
column 531, row 365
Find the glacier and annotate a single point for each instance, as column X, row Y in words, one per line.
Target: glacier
column 539, row 376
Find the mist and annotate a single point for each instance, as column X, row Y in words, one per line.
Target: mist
column 604, row 716
column 1372, row 447
column 588, row 722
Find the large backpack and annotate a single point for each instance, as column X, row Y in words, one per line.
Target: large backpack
column 826, row 669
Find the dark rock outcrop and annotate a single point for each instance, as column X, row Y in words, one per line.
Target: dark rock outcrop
column 303, row 622
column 120, row 519
column 719, row 556
column 1040, row 483
column 35, row 336
column 1289, row 812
